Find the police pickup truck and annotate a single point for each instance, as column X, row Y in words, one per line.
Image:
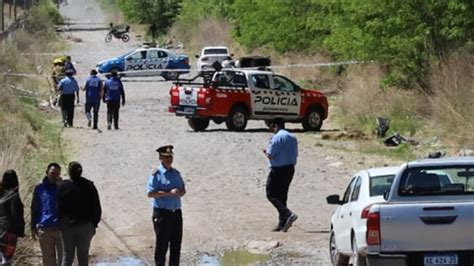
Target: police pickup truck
column 144, row 62
column 428, row 216
column 236, row 95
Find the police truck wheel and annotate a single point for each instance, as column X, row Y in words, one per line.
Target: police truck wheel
column 125, row 38
column 313, row 120
column 237, row 119
column 198, row 124
column 108, row 38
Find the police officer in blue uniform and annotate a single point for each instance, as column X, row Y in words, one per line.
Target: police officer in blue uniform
column 282, row 152
column 166, row 187
column 113, row 93
column 69, row 90
column 94, row 92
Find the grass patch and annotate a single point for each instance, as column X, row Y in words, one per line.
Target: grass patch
column 403, row 152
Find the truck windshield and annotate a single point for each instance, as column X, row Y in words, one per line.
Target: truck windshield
column 437, row 181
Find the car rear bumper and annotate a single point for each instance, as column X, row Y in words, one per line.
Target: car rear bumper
column 194, row 111
column 386, row 260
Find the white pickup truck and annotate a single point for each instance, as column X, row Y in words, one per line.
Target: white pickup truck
column 428, row 217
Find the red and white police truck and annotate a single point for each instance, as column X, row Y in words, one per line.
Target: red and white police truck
column 235, row 96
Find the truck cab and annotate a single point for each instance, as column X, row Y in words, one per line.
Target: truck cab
column 236, row 95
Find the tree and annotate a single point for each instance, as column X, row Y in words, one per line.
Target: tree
column 159, row 15
column 283, row 25
column 402, row 35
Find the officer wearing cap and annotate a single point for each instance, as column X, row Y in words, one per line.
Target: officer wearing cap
column 69, row 90
column 166, row 187
column 281, row 152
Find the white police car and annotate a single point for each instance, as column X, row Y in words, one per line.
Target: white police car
column 144, row 62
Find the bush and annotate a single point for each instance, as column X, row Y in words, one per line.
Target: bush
column 42, row 18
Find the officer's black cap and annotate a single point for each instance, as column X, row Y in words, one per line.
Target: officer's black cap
column 165, row 150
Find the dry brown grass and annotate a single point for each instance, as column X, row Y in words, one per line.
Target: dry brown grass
column 453, row 102
column 363, row 100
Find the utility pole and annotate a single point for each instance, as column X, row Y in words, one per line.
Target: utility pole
column 2, row 2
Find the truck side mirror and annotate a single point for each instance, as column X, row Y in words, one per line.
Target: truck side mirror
column 333, row 199
column 385, row 194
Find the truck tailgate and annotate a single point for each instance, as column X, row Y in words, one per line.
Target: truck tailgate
column 427, row 226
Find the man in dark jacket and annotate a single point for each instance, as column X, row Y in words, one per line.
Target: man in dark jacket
column 113, row 93
column 79, row 214
column 44, row 216
column 12, row 223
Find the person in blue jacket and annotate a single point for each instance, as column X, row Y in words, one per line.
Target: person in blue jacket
column 94, row 92
column 114, row 92
column 44, row 216
column 69, row 90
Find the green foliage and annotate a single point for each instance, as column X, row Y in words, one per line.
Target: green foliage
column 402, row 35
column 283, row 25
column 43, row 17
column 159, row 15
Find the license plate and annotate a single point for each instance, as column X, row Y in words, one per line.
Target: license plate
column 441, row 259
column 189, row 110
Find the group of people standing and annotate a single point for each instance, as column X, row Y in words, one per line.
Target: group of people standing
column 111, row 92
column 66, row 213
column 166, row 187
column 64, row 216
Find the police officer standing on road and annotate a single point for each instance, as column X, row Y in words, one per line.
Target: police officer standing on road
column 94, row 92
column 69, row 89
column 282, row 153
column 113, row 92
column 166, row 187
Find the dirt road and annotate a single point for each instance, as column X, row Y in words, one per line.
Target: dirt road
column 225, row 172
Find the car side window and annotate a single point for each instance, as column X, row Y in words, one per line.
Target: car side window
column 138, row 55
column 162, row 54
column 356, row 190
column 345, row 198
column 283, row 84
column 152, row 54
column 260, row 81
